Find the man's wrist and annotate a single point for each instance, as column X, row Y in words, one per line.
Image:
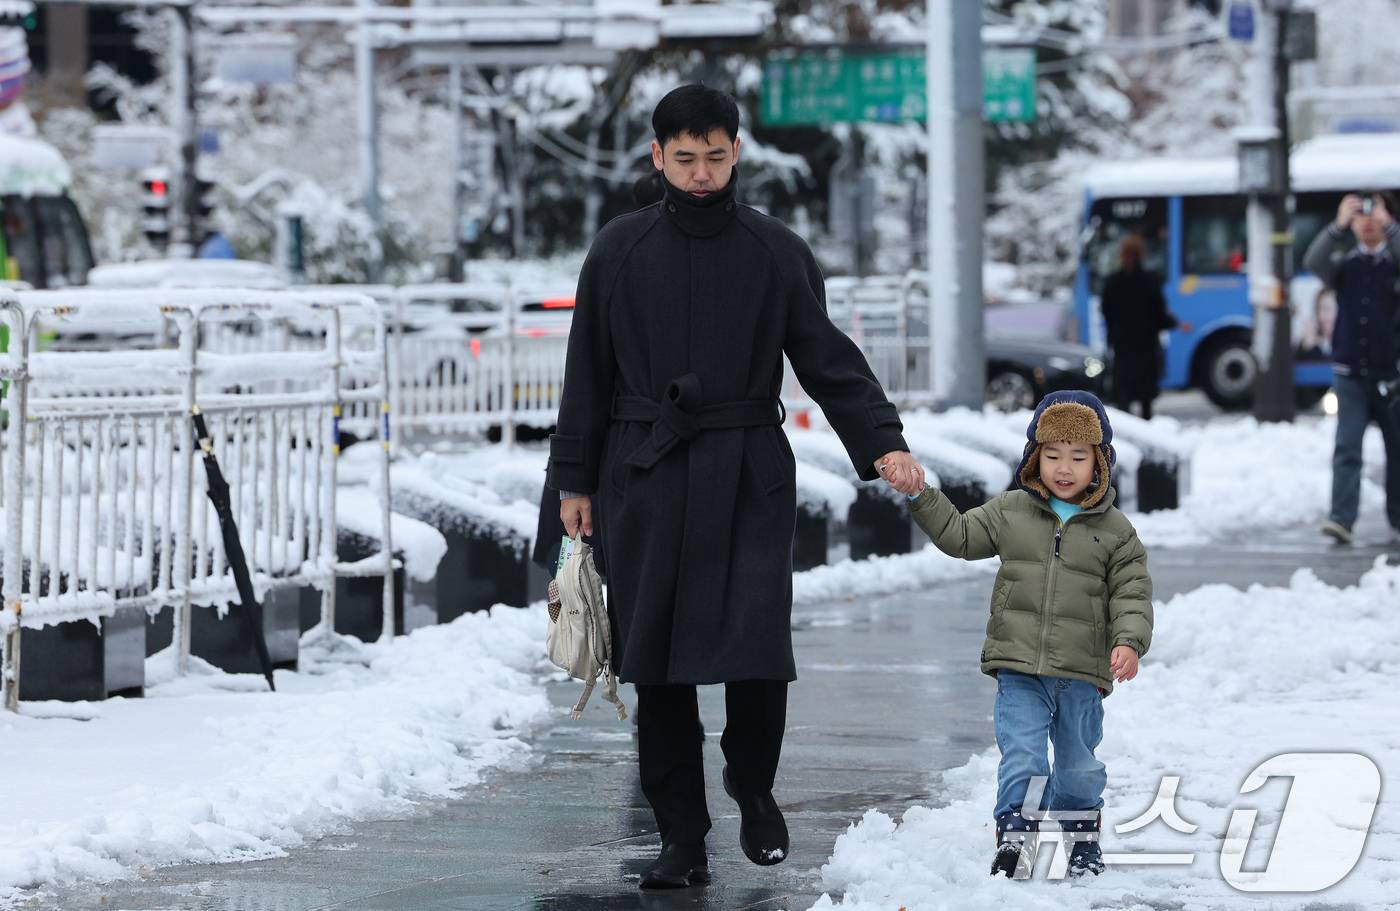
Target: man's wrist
column 569, row 495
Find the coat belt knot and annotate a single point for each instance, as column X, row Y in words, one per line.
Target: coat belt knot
column 679, row 416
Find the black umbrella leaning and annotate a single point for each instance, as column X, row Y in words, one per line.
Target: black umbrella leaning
column 233, row 547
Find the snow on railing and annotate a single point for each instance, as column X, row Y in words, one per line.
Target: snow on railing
column 888, row 317
column 464, row 357
column 104, row 506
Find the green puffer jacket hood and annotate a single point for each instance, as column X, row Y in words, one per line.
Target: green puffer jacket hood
column 1066, row 593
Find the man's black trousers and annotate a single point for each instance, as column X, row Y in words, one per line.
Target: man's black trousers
column 669, row 741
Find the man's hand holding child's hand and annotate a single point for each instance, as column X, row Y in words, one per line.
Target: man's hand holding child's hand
column 1124, row 662
column 902, row 471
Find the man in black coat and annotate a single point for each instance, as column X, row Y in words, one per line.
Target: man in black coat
column 670, row 429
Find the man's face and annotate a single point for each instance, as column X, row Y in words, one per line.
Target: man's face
column 1067, row 469
column 698, row 165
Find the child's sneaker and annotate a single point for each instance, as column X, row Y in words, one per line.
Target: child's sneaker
column 1082, row 843
column 1016, row 838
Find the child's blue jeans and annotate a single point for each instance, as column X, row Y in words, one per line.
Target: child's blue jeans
column 1033, row 711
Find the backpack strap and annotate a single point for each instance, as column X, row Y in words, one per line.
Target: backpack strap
column 583, row 700
column 610, row 693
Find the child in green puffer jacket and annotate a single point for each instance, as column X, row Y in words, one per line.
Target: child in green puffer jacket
column 1071, row 613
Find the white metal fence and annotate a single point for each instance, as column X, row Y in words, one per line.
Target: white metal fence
column 464, row 356
column 104, row 506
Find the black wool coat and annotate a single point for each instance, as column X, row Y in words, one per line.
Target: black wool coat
column 670, row 419
column 1134, row 312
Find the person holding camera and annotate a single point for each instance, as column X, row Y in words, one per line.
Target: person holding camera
column 1363, row 276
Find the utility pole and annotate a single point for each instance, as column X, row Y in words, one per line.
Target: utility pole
column 458, row 264
column 956, row 204
column 183, row 78
column 1285, row 35
column 368, row 124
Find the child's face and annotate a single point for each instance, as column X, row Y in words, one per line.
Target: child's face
column 1067, row 468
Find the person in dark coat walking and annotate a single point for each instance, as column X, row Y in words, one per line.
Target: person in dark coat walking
column 669, row 430
column 1363, row 274
column 1134, row 312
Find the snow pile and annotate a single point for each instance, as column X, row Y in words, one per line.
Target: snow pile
column 1247, row 476
column 515, row 474
column 422, row 547
column 884, row 575
column 1234, row 679
column 447, row 501
column 232, row 772
column 979, row 430
column 823, row 493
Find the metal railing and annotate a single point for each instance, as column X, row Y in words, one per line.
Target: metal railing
column 103, row 506
column 464, row 357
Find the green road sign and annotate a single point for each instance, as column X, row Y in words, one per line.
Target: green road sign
column 1008, row 84
column 834, row 88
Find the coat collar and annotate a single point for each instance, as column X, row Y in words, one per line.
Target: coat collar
column 1102, row 506
column 700, row 217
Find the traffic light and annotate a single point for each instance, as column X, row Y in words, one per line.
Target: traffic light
column 203, row 209
column 156, row 198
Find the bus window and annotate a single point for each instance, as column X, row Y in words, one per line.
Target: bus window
column 1313, row 213
column 1214, row 236
column 1115, row 219
column 67, row 257
column 23, row 262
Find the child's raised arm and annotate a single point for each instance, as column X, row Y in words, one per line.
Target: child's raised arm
column 971, row 535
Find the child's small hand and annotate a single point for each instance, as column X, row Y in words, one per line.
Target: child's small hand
column 1123, row 664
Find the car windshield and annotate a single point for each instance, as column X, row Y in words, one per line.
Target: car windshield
column 66, row 255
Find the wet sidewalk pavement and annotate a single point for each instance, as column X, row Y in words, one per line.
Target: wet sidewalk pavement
column 888, row 693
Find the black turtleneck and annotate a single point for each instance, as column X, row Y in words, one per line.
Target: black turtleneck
column 700, row 216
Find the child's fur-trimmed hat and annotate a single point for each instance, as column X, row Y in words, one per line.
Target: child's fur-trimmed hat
column 1072, row 416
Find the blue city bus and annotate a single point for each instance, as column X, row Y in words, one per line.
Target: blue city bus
column 1191, row 218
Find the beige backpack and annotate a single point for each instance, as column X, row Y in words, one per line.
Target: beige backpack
column 579, row 638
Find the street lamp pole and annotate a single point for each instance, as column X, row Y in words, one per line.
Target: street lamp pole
column 956, row 203
column 1273, row 326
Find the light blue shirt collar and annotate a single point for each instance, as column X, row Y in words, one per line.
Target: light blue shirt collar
column 1063, row 509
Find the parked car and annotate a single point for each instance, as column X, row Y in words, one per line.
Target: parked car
column 1021, row 371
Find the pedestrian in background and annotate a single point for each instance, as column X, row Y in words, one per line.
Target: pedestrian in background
column 1363, row 274
column 1071, row 613
column 1135, row 312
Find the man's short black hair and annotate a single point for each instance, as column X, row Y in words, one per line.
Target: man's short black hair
column 695, row 110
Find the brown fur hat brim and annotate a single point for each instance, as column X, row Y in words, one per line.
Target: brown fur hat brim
column 1071, row 422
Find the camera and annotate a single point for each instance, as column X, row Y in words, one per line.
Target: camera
column 1367, row 205
column 1389, row 390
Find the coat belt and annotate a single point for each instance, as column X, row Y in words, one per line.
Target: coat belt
column 679, row 416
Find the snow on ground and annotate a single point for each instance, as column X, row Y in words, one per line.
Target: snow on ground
column 1234, row 679
column 884, row 575
column 212, row 767
column 1251, row 477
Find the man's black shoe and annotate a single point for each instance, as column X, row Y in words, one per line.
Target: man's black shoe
column 763, row 832
column 677, row 867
